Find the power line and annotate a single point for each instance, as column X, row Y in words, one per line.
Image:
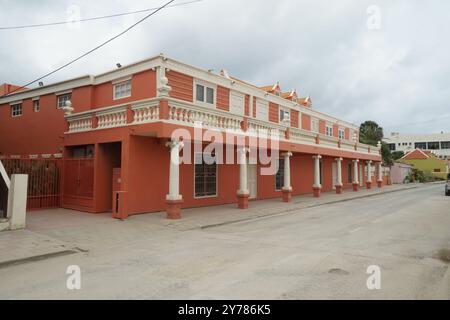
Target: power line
column 93, row 18
column 90, row 51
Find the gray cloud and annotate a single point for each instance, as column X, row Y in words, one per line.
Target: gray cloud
column 397, row 76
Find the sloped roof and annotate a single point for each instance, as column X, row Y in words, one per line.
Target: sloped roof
column 416, row 155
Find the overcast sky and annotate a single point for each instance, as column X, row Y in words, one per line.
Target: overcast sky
column 397, row 74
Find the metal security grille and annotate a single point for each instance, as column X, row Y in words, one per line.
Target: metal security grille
column 279, row 178
column 205, row 177
column 43, row 180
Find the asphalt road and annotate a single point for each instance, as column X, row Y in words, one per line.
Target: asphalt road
column 316, row 253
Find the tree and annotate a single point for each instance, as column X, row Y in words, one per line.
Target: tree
column 371, row 133
column 396, row 155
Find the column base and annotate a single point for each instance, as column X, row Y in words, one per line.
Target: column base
column 243, row 201
column 316, row 192
column 355, row 187
column 380, row 184
column 368, row 185
column 287, row 195
column 174, row 209
column 338, row 189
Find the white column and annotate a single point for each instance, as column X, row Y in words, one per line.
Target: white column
column 317, row 171
column 355, row 172
column 380, row 172
column 243, row 184
column 17, row 201
column 339, row 172
column 287, row 171
column 369, row 171
column 174, row 173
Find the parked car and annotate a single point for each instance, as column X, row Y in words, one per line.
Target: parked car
column 447, row 186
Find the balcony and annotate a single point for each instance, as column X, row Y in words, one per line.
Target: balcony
column 188, row 114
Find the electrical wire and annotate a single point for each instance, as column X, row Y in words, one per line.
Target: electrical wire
column 39, row 25
column 92, row 50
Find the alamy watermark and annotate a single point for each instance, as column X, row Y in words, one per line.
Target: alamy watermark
column 73, row 281
column 224, row 147
column 374, row 280
column 374, row 17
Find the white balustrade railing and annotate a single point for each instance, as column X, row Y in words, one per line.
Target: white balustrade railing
column 302, row 136
column 112, row 119
column 81, row 124
column 189, row 114
column 185, row 114
column 262, row 129
column 145, row 113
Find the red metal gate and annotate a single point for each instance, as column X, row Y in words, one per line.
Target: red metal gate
column 44, row 176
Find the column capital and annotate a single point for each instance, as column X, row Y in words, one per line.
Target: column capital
column 369, row 161
column 317, row 157
column 287, row 154
column 339, row 159
column 174, row 144
column 355, row 161
column 244, row 150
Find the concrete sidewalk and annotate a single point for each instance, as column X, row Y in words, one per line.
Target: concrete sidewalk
column 23, row 246
column 207, row 217
column 56, row 232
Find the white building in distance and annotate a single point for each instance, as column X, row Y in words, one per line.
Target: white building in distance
column 439, row 144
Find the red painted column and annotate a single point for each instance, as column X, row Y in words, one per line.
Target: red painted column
column 122, row 211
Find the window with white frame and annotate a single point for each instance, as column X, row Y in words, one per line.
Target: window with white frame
column 205, row 93
column 285, row 115
column 122, row 90
column 315, row 125
column 16, row 110
column 205, row 176
column 62, row 99
column 341, row 133
column 329, row 130
column 36, row 105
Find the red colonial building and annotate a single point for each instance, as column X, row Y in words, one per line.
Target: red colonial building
column 132, row 140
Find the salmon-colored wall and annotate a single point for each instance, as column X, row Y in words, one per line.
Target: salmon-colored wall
column 223, row 98
column 182, row 86
column 143, row 86
column 149, row 161
column 247, row 105
column 82, row 98
column 347, row 133
column 42, row 132
column 254, row 107
column 274, row 112
column 33, row 132
column 322, row 125
column 335, row 130
column 294, row 118
column 306, row 122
